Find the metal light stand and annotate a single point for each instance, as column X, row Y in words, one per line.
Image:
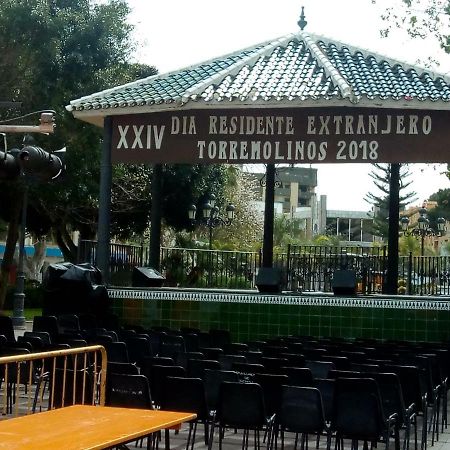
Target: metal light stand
column 421, row 231
column 46, row 126
column 18, row 317
column 210, row 215
column 211, row 218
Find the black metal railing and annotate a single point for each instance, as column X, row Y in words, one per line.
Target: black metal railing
column 424, row 275
column 209, row 268
column 304, row 268
column 123, row 259
column 181, row 266
column 311, row 268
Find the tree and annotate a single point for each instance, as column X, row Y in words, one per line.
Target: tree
column 184, row 185
column 412, row 244
column 52, row 52
column 420, row 19
column 130, row 201
column 381, row 176
column 64, row 50
column 287, row 230
column 245, row 233
column 442, row 197
column 408, row 244
column 229, row 185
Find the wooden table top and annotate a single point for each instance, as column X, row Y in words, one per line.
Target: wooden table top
column 84, row 427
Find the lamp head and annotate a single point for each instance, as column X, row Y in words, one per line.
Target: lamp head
column 422, row 223
column 206, row 210
column 423, row 212
column 441, row 225
column 230, row 211
column 192, row 211
column 212, row 200
column 404, row 223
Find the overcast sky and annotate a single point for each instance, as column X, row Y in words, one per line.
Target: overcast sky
column 177, row 33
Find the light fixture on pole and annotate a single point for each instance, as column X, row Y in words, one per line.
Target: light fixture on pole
column 29, row 161
column 423, row 228
column 210, row 215
column 36, row 165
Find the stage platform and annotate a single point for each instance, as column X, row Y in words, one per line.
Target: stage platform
column 251, row 315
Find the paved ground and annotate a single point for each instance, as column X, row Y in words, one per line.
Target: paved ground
column 20, row 331
column 233, row 441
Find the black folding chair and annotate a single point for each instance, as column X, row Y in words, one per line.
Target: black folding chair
column 188, row 395
column 130, row 391
column 241, row 406
column 358, row 413
column 301, row 412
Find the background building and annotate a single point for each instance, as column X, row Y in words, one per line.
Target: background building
column 295, row 188
column 295, row 196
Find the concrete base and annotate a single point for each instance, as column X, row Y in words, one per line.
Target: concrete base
column 20, row 330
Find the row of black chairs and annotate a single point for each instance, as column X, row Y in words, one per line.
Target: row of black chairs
column 416, row 395
column 425, row 393
column 426, row 364
column 320, row 356
column 345, row 407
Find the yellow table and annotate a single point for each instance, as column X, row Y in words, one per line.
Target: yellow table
column 83, row 427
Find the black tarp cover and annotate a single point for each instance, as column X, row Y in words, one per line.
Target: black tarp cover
column 74, row 288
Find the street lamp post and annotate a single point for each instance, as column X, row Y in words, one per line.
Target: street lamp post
column 423, row 228
column 210, row 215
column 18, row 317
column 421, row 231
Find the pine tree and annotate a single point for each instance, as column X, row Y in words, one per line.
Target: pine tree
column 381, row 175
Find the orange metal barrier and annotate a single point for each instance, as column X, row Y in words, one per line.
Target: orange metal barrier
column 48, row 380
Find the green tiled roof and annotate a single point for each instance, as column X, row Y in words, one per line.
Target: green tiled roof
column 300, row 69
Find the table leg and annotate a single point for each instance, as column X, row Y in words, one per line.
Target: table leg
column 167, row 439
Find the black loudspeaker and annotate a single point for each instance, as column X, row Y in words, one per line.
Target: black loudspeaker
column 268, row 279
column 344, row 282
column 146, row 277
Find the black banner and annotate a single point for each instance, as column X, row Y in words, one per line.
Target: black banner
column 301, row 135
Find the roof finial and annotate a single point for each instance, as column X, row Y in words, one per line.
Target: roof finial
column 302, row 22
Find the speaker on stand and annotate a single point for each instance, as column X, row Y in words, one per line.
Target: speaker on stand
column 344, row 282
column 268, row 279
column 147, row 277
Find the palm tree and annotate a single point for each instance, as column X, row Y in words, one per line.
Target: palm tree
column 287, row 231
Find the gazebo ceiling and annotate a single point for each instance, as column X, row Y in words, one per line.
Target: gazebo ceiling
column 298, row 70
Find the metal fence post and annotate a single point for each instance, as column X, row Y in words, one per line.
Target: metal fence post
column 288, row 266
column 410, row 270
column 141, row 256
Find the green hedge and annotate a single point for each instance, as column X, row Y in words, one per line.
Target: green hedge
column 34, row 295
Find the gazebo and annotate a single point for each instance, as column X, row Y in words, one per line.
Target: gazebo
column 302, row 98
